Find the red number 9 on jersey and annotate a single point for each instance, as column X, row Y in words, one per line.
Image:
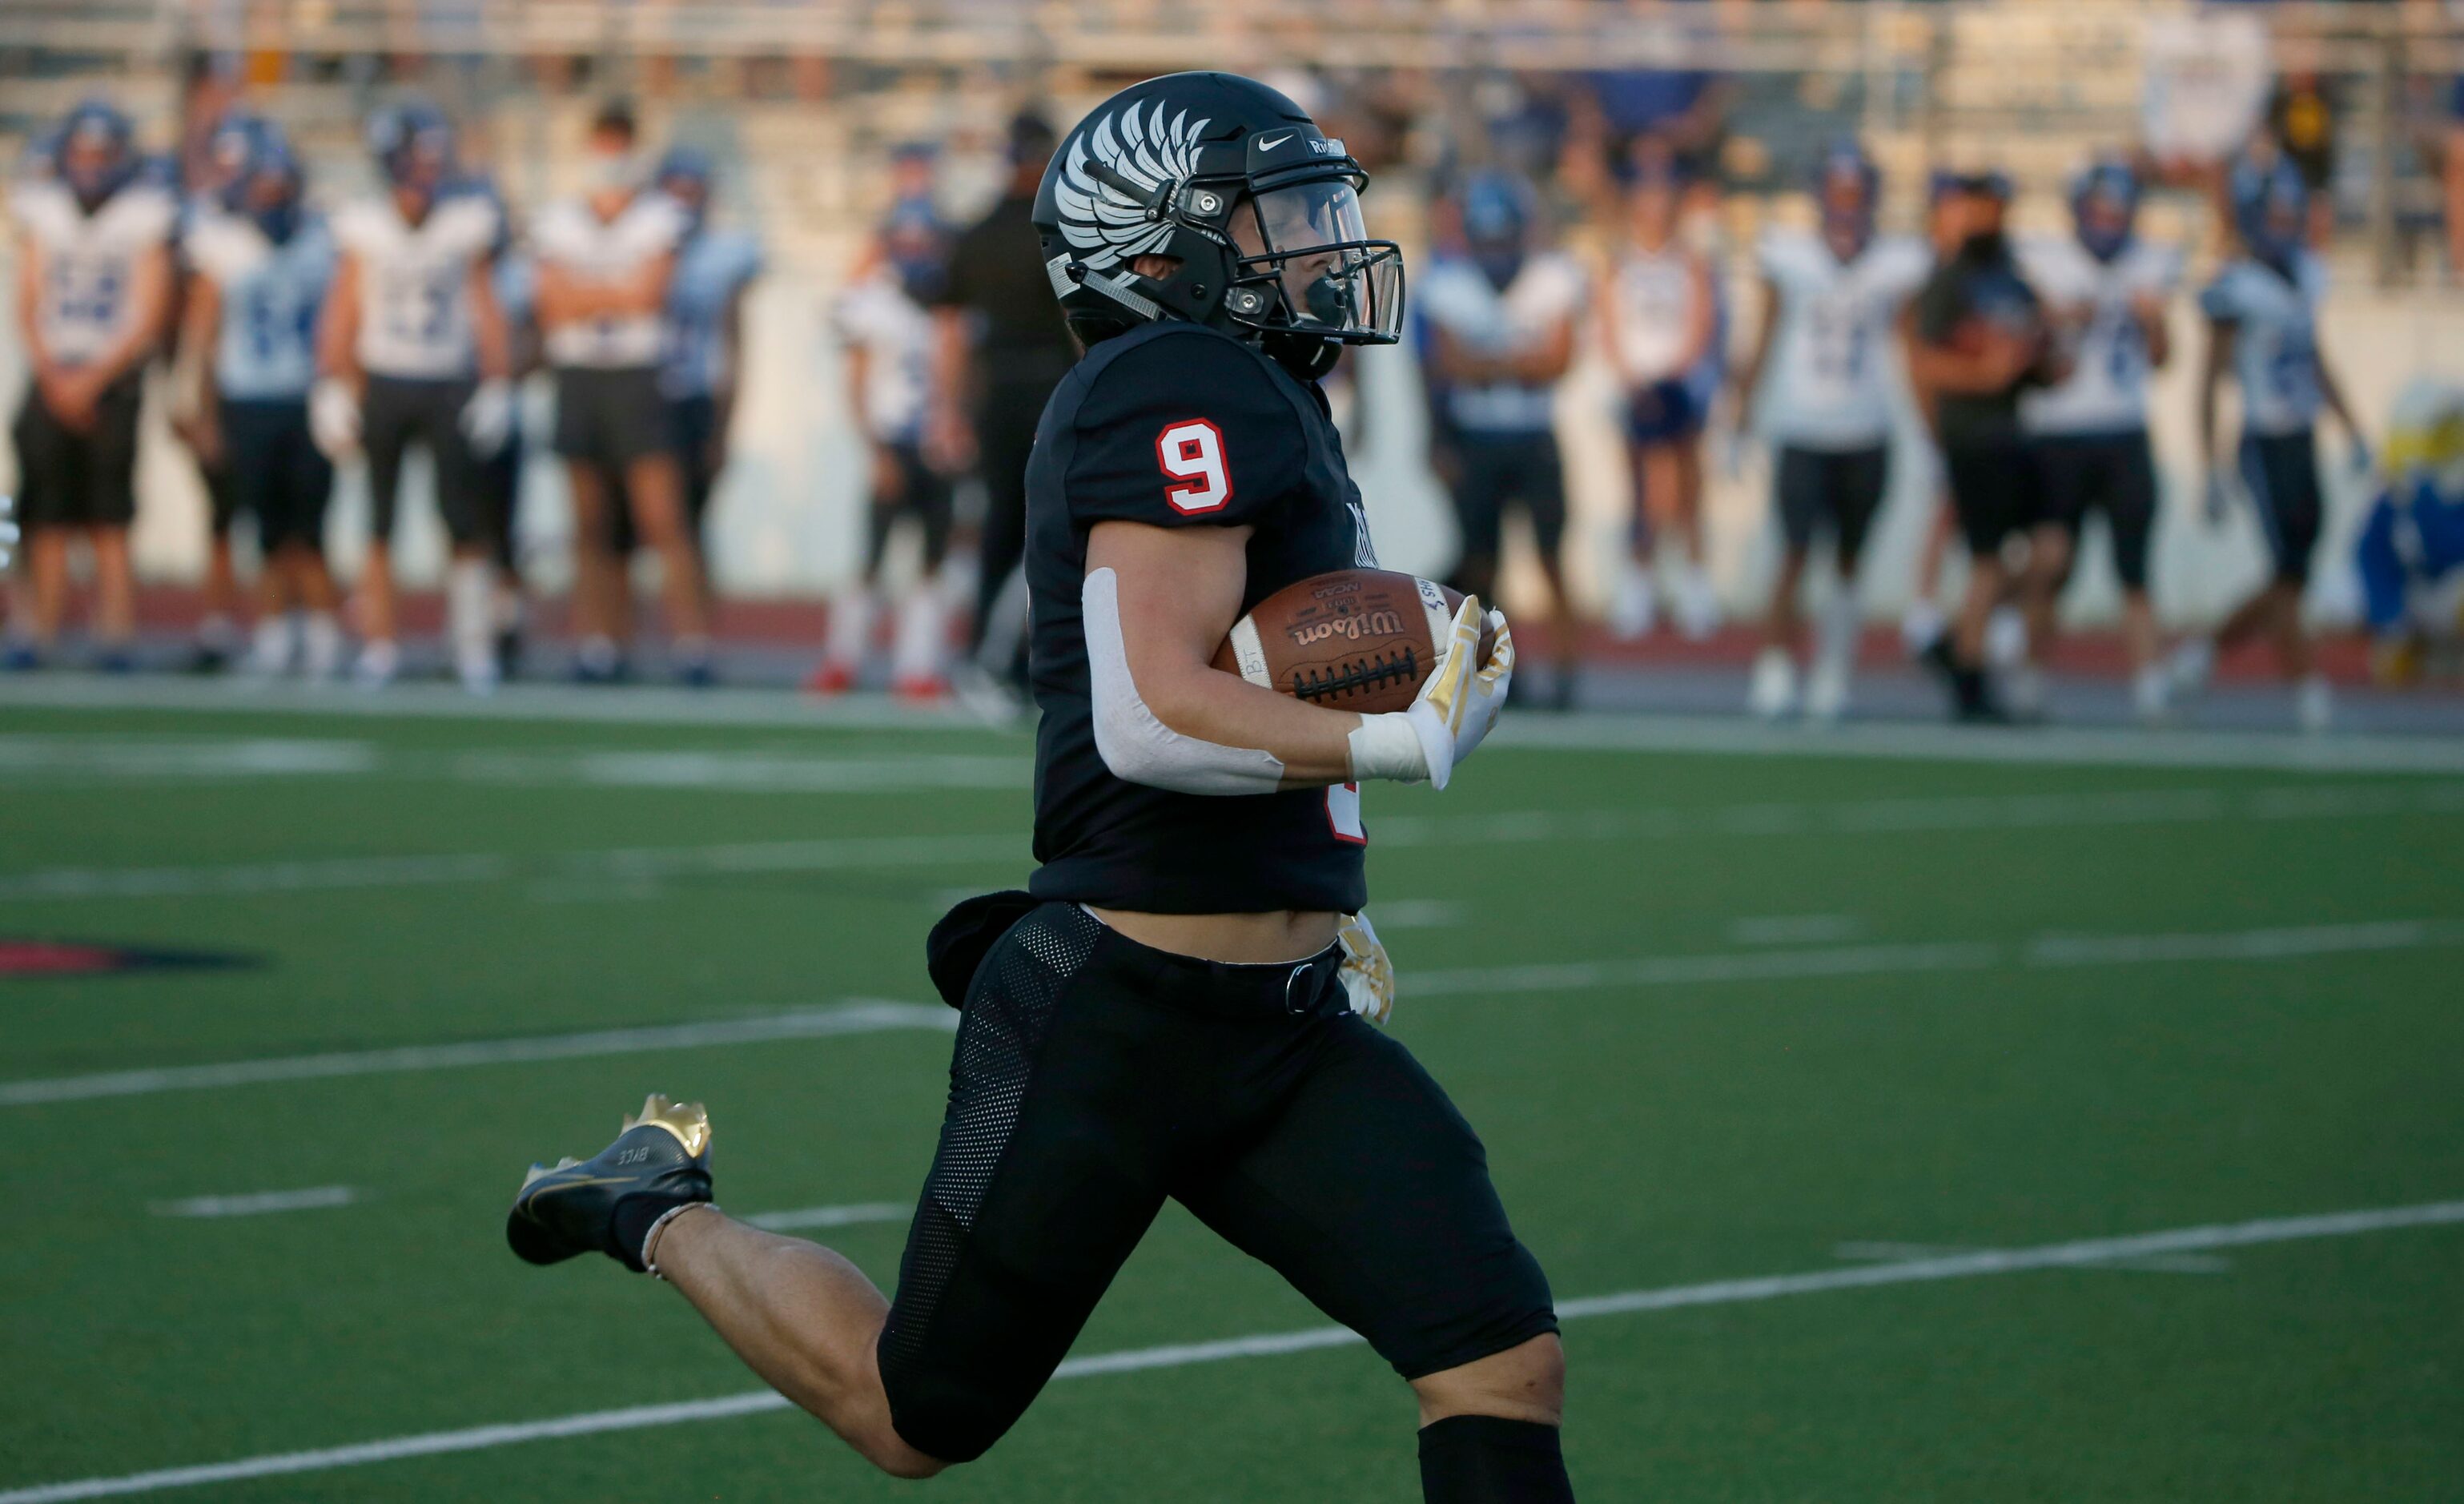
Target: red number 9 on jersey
column 1192, row 451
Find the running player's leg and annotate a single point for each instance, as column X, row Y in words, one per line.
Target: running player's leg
column 1368, row 1190
column 1070, row 1082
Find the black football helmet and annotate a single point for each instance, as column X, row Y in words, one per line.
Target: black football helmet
column 1260, row 210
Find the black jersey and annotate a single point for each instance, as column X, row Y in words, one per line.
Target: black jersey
column 1181, row 426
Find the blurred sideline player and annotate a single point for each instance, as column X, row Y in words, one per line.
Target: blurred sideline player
column 1181, row 1008
column 1831, row 298
column 2091, row 430
column 1497, row 335
column 2410, row 551
column 1978, row 337
column 513, row 276
column 606, row 261
column 413, row 350
column 230, row 146
column 2262, row 313
column 1949, row 196
column 1660, row 316
column 93, row 290
column 999, row 348
column 261, row 266
column 883, row 321
column 703, row 364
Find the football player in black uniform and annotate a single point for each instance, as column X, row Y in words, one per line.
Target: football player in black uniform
column 1180, row 1005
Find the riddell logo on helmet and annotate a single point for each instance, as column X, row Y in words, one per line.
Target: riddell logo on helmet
column 1378, row 623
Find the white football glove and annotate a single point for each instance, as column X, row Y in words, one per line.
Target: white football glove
column 334, row 418
column 1368, row 976
column 487, row 417
column 1456, row 707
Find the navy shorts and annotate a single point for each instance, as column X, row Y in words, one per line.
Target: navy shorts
column 1665, row 413
column 2283, row 472
column 1835, row 490
column 1498, row 471
column 275, row 472
column 2110, row 473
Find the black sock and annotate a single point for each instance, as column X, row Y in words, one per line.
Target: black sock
column 1485, row 1459
column 631, row 1222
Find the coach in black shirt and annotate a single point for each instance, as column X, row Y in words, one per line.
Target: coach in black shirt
column 1978, row 337
column 1001, row 347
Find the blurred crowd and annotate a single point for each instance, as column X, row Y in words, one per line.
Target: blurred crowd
column 1571, row 217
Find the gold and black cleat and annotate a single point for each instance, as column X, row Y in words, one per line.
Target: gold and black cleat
column 607, row 1204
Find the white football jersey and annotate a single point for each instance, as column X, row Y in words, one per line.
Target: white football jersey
column 1653, row 294
column 571, row 235
column 86, row 299
column 1456, row 295
column 1830, row 380
column 2106, row 391
column 415, row 283
column 895, row 333
column 2276, row 343
column 271, row 296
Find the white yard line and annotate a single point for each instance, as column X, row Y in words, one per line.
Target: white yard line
column 850, row 1216
column 854, row 1017
column 2155, row 1263
column 2075, row 746
column 1793, row 929
column 1568, row 976
column 2080, row 1255
column 856, row 853
column 1587, row 732
column 256, row 1204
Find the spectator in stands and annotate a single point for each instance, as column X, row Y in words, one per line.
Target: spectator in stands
column 606, row 262
column 1978, row 337
column 1658, row 319
column 885, row 328
column 261, row 264
column 2301, row 121
column 704, row 363
column 999, row 347
column 93, row 290
column 1495, row 323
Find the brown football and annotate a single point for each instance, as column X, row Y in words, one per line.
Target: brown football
column 1355, row 639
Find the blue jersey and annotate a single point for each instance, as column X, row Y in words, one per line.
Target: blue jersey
column 711, row 266
column 2276, row 340
column 266, row 349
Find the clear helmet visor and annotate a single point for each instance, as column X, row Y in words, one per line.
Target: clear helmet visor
column 1313, row 243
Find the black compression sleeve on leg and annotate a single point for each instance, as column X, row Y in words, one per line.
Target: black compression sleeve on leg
column 1487, row 1459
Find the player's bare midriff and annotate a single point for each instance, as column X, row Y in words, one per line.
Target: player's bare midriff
column 1234, row 939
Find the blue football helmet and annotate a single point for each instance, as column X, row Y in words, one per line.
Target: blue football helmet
column 96, row 151
column 2271, row 210
column 413, row 143
column 2104, row 207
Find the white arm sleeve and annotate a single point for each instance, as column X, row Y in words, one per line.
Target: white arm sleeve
column 1136, row 745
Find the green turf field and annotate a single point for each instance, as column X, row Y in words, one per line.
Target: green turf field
column 1717, row 1018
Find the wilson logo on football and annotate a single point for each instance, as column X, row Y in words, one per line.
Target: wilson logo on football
column 1351, row 629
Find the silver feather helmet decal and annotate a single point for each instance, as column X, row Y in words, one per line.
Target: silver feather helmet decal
column 1101, row 221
